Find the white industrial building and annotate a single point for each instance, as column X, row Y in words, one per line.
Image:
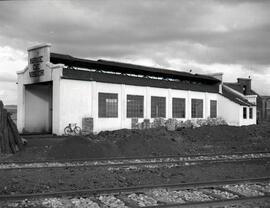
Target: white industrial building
column 55, row 90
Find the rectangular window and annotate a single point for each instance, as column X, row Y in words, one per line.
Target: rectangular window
column 196, row 108
column 134, row 106
column 244, row 112
column 179, row 107
column 251, row 113
column 213, row 108
column 107, row 105
column 158, row 107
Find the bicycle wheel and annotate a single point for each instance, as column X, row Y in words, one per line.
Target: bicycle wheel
column 68, row 131
column 77, row 130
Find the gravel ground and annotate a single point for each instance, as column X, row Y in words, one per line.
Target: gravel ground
column 152, row 197
column 193, row 195
column 244, row 189
column 221, row 193
column 114, row 162
column 111, row 201
column 165, row 196
column 143, row 200
column 53, row 203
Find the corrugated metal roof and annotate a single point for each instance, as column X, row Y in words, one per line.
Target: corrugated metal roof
column 127, row 68
column 235, row 98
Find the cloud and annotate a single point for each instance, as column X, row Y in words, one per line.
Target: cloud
column 230, row 32
column 8, row 93
column 12, row 60
column 233, row 34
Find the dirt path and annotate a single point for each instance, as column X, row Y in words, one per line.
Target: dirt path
column 33, row 181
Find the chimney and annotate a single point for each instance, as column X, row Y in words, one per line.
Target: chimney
column 245, row 84
column 218, row 76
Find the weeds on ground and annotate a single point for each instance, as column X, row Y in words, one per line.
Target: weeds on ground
column 173, row 124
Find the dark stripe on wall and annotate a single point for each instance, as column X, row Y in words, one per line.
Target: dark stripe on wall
column 138, row 81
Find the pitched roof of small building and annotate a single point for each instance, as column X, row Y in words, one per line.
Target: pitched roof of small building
column 235, row 97
column 238, row 87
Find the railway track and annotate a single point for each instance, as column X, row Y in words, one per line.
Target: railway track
column 139, row 161
column 204, row 194
column 137, row 157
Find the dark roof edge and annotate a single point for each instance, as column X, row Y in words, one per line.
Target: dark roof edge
column 128, row 68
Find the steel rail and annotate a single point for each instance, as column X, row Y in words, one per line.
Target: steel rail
column 121, row 190
column 134, row 158
column 148, row 163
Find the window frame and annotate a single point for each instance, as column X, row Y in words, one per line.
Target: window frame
column 244, row 112
column 160, row 102
column 110, row 109
column 211, row 109
column 181, row 111
column 250, row 113
column 196, row 105
column 138, row 106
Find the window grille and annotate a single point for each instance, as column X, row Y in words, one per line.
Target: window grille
column 158, row 107
column 251, row 113
column 196, row 108
column 135, row 106
column 213, row 108
column 244, row 112
column 107, row 105
column 179, row 107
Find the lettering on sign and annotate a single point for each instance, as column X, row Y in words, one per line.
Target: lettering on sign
column 37, row 72
column 36, row 60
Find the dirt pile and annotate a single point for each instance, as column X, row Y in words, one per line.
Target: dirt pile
column 227, row 133
column 118, row 143
column 153, row 142
column 227, row 138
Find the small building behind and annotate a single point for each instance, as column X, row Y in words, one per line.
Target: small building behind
column 265, row 108
column 56, row 89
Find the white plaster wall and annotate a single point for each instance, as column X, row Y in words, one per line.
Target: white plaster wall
column 229, row 110
column 251, row 98
column 247, row 121
column 20, row 102
column 79, row 99
column 74, row 102
column 123, row 90
column 56, row 77
column 101, row 124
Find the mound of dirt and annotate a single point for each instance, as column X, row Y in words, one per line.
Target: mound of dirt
column 119, row 143
column 154, row 142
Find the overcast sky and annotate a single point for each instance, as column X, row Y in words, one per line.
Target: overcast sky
column 204, row 36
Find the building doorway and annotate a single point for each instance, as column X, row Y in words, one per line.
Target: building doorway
column 38, row 108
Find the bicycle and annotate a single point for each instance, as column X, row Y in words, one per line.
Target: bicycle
column 72, row 129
